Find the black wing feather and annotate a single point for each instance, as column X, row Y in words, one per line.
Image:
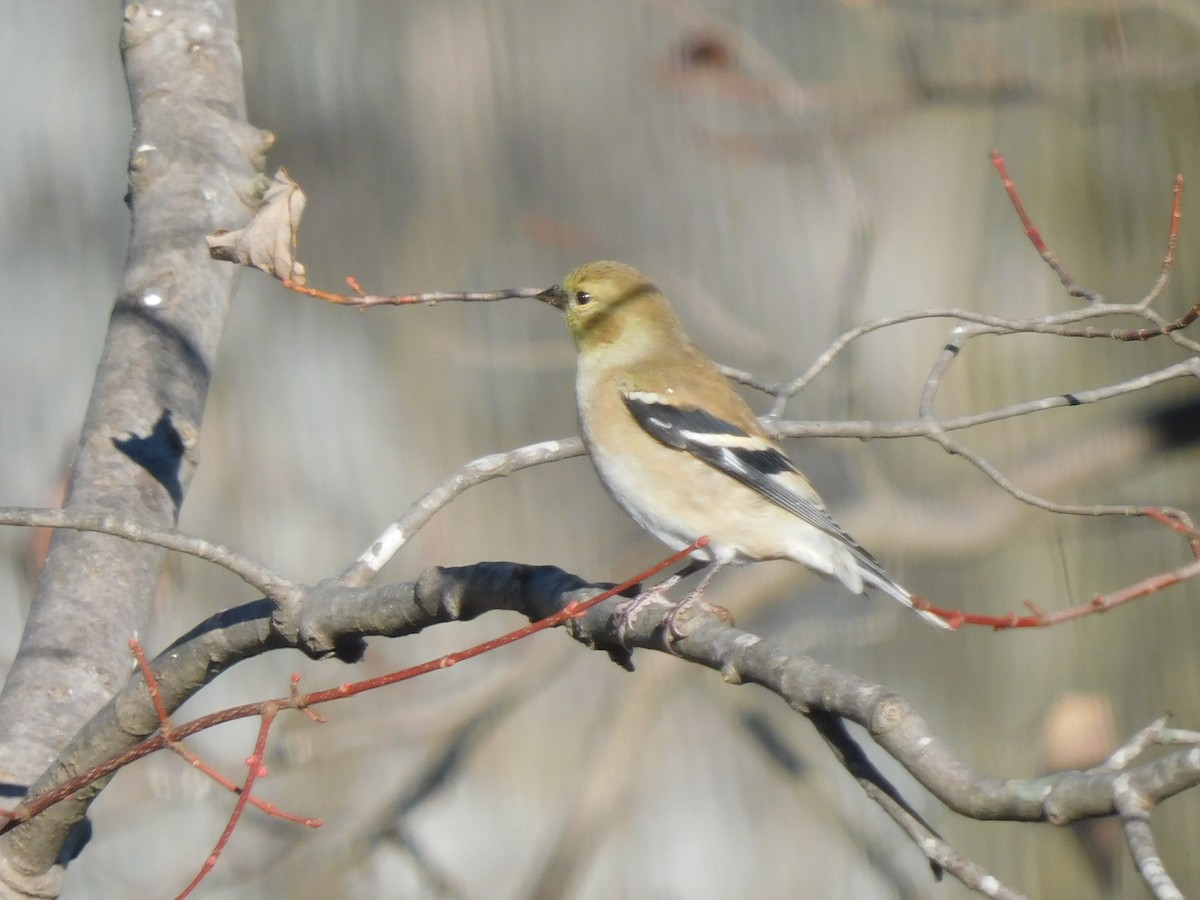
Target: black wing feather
column 682, row 428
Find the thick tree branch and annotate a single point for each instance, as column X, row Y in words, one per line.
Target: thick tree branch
column 809, row 687
column 193, row 166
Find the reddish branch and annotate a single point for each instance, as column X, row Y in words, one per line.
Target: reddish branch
column 1040, row 618
column 1035, row 236
column 254, row 769
column 174, row 742
column 358, row 297
column 170, row 736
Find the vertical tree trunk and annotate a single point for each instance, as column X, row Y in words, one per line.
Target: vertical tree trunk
column 194, row 166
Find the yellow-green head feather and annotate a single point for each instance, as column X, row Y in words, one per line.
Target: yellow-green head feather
column 608, row 302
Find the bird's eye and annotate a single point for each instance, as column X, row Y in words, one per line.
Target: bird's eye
column 582, row 298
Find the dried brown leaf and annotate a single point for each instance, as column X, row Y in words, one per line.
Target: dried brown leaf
column 269, row 241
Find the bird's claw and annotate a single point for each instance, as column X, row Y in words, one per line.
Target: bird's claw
column 680, row 622
column 625, row 612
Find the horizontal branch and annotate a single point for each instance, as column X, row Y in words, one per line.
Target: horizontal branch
column 361, row 299
column 1059, row 324
column 442, row 595
column 870, row 430
column 253, row 573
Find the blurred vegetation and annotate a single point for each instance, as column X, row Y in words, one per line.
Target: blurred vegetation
column 784, row 171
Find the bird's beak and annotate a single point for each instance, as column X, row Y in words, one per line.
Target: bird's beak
column 555, row 296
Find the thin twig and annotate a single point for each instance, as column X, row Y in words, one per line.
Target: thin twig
column 872, row 429
column 751, row 380
column 253, row 573
column 1172, row 243
column 1040, row 618
column 485, row 468
column 255, row 768
column 950, row 445
column 1123, row 756
column 358, row 297
column 1057, row 324
column 167, row 730
column 879, row 789
column 1035, row 236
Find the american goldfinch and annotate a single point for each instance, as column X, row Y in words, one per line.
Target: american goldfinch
column 681, row 452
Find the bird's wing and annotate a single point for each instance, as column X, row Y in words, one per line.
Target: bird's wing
column 752, row 460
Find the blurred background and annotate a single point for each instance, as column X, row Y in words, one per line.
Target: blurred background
column 783, row 171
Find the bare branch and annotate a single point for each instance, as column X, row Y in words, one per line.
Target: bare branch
column 268, row 243
column 486, row 468
column 361, row 299
column 925, row 427
column 250, row 571
column 1135, row 820
column 1035, row 236
column 1057, row 324
column 1156, row 733
column 1172, row 244
column 808, row 686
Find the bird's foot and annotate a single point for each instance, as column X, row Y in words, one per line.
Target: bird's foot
column 625, row 612
column 681, row 621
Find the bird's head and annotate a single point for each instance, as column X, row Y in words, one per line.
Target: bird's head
column 609, row 301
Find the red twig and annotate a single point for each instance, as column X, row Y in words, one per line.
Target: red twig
column 1039, row 618
column 139, row 655
column 1173, row 230
column 1035, row 236
column 254, row 769
column 175, row 733
column 173, row 742
column 1145, row 334
column 358, row 297
column 570, row 611
column 1175, row 524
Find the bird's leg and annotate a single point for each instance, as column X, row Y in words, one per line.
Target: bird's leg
column 694, row 596
column 624, row 613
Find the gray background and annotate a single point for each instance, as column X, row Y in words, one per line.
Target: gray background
column 832, row 169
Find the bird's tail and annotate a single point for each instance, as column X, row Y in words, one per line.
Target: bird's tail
column 885, row 584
